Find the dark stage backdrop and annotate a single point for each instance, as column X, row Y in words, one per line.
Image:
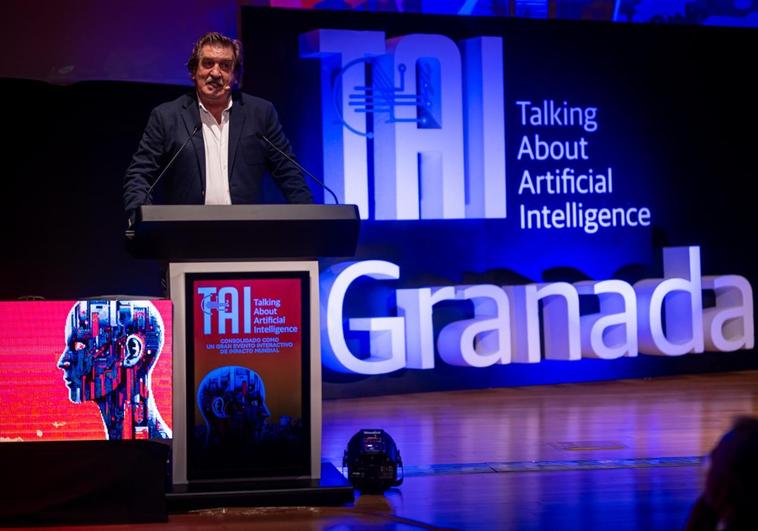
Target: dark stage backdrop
column 675, row 113
column 67, row 153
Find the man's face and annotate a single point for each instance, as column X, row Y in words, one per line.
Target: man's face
column 215, row 73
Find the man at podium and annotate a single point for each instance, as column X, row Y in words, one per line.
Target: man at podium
column 214, row 145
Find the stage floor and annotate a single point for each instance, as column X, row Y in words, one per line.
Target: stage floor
column 621, row 455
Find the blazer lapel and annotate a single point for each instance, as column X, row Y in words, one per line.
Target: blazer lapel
column 236, row 125
column 191, row 118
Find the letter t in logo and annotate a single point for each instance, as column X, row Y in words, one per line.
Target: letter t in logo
column 345, row 53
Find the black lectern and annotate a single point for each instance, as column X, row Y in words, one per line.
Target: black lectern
column 223, row 232
column 244, row 283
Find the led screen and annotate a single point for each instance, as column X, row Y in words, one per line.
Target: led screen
column 85, row 370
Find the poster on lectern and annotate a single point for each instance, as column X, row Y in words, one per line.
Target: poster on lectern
column 247, row 369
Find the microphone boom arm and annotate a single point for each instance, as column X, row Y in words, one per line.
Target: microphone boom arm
column 263, row 137
column 148, row 200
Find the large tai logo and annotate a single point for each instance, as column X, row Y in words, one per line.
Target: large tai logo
column 407, row 116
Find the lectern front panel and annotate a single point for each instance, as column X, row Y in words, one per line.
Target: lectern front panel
column 247, row 381
column 248, row 413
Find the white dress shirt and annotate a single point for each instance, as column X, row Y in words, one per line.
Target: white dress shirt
column 216, row 140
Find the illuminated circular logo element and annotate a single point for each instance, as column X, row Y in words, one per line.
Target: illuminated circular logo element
column 206, row 305
column 382, row 97
column 135, row 346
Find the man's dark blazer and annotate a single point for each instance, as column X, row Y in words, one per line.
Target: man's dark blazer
column 172, row 123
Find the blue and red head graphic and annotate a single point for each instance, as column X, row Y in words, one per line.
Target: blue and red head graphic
column 111, row 349
column 232, row 401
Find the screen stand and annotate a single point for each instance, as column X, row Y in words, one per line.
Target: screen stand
column 247, row 382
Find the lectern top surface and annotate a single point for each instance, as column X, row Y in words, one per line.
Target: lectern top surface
column 158, row 213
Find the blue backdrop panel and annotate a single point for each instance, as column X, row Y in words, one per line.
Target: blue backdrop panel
column 662, row 117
